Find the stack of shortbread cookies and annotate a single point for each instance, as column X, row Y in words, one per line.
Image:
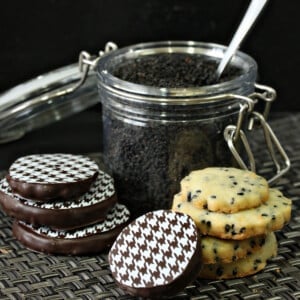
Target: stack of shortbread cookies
column 62, row 204
column 237, row 214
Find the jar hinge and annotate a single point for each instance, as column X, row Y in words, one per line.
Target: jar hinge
column 85, row 63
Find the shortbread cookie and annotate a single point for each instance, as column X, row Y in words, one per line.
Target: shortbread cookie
column 89, row 208
column 269, row 216
column 158, row 254
column 44, row 177
column 86, row 240
column 226, row 190
column 216, row 250
column 249, row 265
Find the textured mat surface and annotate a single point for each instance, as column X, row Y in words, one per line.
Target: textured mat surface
column 28, row 275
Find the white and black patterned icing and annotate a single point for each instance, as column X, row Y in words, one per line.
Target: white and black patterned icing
column 53, row 168
column 101, row 189
column 117, row 216
column 153, row 250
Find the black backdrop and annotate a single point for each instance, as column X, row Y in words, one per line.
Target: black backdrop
column 39, row 35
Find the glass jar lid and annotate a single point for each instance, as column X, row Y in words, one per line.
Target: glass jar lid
column 45, row 99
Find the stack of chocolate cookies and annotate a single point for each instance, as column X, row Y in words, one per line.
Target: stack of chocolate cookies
column 236, row 213
column 62, row 204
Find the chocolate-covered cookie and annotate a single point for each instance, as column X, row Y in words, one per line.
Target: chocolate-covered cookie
column 86, row 240
column 89, row 208
column 157, row 255
column 45, row 177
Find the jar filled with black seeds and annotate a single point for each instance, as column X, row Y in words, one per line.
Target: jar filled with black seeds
column 164, row 115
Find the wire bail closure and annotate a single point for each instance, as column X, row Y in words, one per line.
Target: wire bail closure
column 233, row 133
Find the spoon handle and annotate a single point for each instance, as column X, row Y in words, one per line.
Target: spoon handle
column 254, row 9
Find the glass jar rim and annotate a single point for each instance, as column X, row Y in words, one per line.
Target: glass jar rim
column 216, row 51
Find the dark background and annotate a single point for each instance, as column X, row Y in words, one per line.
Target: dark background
column 38, row 36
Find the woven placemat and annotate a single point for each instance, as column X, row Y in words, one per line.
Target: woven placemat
column 28, row 275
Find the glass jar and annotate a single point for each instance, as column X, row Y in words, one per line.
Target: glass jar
column 153, row 137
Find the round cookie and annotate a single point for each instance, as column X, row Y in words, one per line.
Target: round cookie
column 227, row 190
column 86, row 240
column 216, row 250
column 269, row 216
column 157, row 255
column 89, row 208
column 45, row 177
column 249, row 265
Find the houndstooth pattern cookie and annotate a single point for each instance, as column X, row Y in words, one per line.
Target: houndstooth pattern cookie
column 155, row 251
column 90, row 208
column 53, row 168
column 44, row 177
column 118, row 215
column 86, row 240
column 101, row 189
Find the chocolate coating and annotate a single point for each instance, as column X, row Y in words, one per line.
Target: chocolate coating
column 86, row 240
column 44, row 177
column 56, row 218
column 81, row 246
column 44, row 192
column 157, row 255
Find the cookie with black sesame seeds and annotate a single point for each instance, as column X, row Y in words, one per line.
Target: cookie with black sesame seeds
column 227, row 190
column 251, row 264
column 269, row 216
column 215, row 250
column 46, row 177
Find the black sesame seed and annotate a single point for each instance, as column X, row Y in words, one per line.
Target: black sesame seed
column 203, row 221
column 252, row 243
column 189, row 197
column 232, row 200
column 233, row 258
column 227, row 228
column 208, row 224
column 198, row 191
column 235, row 183
column 215, row 250
column 219, row 271
column 179, row 205
column 243, row 229
column 240, row 194
column 257, row 261
column 273, row 217
column 234, row 272
column 262, row 242
column 264, row 215
column 213, row 196
column 205, row 206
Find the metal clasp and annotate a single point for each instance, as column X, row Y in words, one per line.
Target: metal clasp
column 233, row 133
column 85, row 62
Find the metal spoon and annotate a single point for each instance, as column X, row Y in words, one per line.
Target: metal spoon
column 253, row 11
